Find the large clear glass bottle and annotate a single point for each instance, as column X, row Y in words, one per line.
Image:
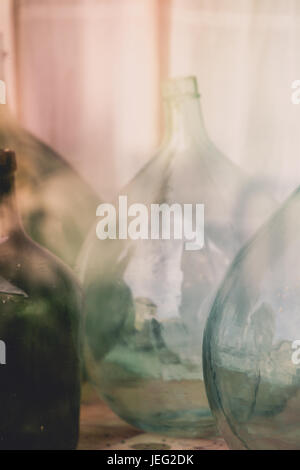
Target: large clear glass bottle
column 57, row 206
column 147, row 300
column 252, row 339
column 39, row 332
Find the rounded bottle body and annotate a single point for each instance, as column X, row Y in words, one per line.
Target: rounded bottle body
column 251, row 342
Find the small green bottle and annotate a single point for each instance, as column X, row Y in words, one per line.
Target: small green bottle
column 39, row 333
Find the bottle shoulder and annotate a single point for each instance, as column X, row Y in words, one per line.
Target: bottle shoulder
column 31, row 267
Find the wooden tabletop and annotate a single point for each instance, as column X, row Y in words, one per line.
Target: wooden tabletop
column 101, row 429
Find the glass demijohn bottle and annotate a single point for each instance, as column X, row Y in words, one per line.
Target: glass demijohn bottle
column 251, row 345
column 39, row 335
column 147, row 298
column 56, row 204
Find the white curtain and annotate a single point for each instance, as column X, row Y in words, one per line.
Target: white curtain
column 246, row 56
column 89, row 80
column 88, row 77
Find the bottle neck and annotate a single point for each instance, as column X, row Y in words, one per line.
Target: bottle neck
column 10, row 223
column 184, row 125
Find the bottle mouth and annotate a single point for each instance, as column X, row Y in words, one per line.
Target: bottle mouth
column 180, row 87
column 8, row 163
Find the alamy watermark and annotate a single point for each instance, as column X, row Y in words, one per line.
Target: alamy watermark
column 2, row 92
column 2, row 343
column 2, row 353
column 159, row 222
column 296, row 353
column 295, row 96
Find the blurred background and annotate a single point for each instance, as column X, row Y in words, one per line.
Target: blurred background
column 84, row 76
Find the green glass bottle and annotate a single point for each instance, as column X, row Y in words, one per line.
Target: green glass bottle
column 56, row 204
column 39, row 333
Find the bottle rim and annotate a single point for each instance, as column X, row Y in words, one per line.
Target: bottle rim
column 180, row 86
column 8, row 163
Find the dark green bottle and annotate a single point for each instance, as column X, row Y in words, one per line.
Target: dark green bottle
column 39, row 334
